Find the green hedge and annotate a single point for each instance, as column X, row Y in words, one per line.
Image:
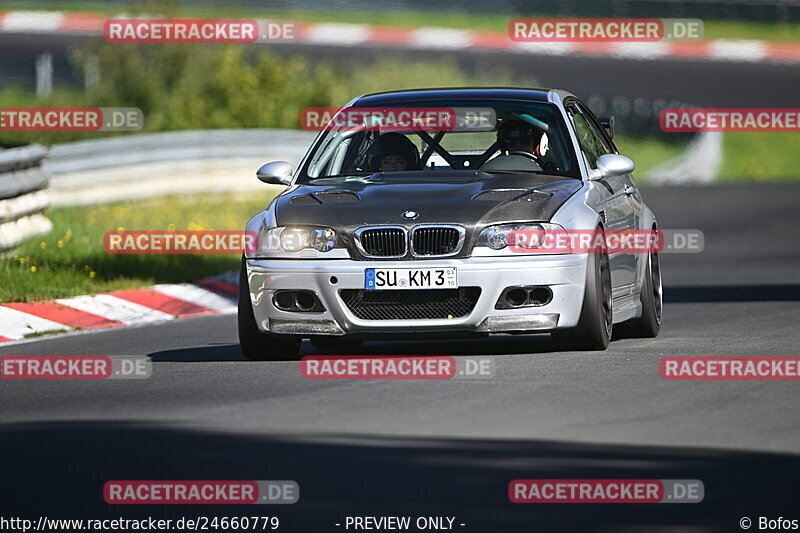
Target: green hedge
column 184, row 86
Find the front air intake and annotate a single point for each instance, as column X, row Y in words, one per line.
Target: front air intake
column 437, row 241
column 422, row 304
column 382, row 242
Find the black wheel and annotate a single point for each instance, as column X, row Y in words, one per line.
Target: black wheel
column 337, row 344
column 649, row 324
column 595, row 325
column 255, row 345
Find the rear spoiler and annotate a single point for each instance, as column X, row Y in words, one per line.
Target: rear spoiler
column 608, row 125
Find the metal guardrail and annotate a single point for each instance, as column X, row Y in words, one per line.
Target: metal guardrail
column 175, row 146
column 176, row 162
column 23, row 195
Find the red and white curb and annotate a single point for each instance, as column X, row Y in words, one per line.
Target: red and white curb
column 342, row 34
column 159, row 303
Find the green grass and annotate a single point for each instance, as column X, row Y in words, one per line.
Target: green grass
column 734, row 29
column 760, row 156
column 647, row 152
column 36, row 334
column 71, row 260
column 714, row 29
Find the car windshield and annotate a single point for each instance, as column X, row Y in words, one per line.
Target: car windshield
column 493, row 136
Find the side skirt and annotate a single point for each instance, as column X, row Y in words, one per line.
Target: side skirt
column 627, row 307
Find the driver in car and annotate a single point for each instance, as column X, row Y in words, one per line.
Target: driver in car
column 393, row 152
column 521, row 148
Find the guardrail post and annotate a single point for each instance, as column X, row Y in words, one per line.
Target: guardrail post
column 44, row 75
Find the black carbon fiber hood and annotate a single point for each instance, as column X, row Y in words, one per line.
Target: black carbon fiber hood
column 471, row 199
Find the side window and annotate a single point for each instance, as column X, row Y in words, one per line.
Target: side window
column 591, row 140
column 608, row 146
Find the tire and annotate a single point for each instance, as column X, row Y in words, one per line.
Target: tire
column 649, row 324
column 257, row 346
column 595, row 325
column 336, row 344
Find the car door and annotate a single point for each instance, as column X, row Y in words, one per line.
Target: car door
column 616, row 205
column 630, row 189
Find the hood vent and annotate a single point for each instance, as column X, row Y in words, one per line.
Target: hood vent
column 339, row 197
column 498, row 195
column 511, row 195
column 532, row 195
column 305, row 199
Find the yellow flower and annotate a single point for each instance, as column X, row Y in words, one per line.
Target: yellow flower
column 60, row 243
column 92, row 274
column 33, row 269
column 42, row 245
column 120, row 228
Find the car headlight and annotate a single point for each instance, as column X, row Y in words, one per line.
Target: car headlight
column 323, row 239
column 519, row 237
column 296, row 239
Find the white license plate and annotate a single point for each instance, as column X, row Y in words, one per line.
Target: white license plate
column 410, row 278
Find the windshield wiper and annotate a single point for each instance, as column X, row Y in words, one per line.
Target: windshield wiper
column 536, row 172
column 492, row 171
column 349, row 174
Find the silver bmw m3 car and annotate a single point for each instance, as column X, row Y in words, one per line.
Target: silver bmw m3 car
column 408, row 219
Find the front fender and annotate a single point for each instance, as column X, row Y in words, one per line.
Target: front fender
column 576, row 213
column 264, row 219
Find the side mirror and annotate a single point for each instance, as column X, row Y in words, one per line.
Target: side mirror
column 610, row 165
column 608, row 124
column 275, row 173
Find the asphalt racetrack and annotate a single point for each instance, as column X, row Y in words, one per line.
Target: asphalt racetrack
column 450, row 448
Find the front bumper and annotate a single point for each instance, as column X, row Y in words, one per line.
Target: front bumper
column 564, row 274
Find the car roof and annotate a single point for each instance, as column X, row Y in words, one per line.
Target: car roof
column 455, row 93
